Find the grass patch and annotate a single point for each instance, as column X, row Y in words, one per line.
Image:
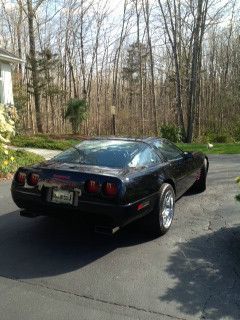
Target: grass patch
column 21, row 159
column 43, row 142
column 218, row 148
column 53, row 143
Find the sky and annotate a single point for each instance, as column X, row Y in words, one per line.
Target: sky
column 116, row 8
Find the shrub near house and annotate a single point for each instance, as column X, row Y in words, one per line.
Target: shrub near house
column 8, row 116
column 9, row 159
column 7, row 129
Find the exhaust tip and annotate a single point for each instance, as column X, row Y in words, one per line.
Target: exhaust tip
column 28, row 214
column 106, row 230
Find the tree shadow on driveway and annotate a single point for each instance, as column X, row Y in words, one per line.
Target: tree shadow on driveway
column 44, row 247
column 206, row 272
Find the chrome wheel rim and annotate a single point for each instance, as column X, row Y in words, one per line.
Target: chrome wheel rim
column 168, row 209
column 205, row 164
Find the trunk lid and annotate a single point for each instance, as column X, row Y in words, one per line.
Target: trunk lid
column 69, row 176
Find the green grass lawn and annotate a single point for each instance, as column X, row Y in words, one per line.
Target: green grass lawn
column 20, row 158
column 218, row 148
column 45, row 142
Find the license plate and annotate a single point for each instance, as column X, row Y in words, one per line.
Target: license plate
column 62, row 196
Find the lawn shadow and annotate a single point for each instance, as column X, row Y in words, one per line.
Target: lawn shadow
column 206, row 272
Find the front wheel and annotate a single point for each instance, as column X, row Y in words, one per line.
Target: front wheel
column 162, row 216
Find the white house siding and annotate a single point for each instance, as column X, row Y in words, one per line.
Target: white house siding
column 1, row 87
column 6, row 93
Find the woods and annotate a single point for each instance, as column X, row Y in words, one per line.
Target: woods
column 160, row 62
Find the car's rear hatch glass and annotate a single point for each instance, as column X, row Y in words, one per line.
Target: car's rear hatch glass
column 101, row 153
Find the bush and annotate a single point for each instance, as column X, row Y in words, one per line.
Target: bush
column 8, row 115
column 220, row 138
column 11, row 160
column 216, row 137
column 7, row 129
column 236, row 132
column 42, row 142
column 76, row 113
column 171, row 133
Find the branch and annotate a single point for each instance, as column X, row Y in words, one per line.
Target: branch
column 38, row 5
column 19, row 2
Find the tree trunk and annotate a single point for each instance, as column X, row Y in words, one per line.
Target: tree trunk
column 33, row 63
column 153, row 94
column 140, row 67
column 172, row 36
column 195, row 69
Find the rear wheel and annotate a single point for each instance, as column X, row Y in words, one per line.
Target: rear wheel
column 200, row 183
column 161, row 218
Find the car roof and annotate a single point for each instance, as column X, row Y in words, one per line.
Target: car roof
column 147, row 140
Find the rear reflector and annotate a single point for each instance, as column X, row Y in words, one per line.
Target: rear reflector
column 92, row 186
column 33, row 179
column 21, row 178
column 110, row 189
column 143, row 205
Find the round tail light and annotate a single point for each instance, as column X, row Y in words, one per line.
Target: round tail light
column 110, row 189
column 21, row 178
column 92, row 186
column 33, row 179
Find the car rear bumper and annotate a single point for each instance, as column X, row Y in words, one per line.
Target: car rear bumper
column 118, row 215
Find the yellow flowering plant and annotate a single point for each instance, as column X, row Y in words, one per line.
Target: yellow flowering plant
column 7, row 162
column 8, row 116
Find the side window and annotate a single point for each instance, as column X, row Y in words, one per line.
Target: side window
column 71, row 155
column 145, row 158
column 168, row 150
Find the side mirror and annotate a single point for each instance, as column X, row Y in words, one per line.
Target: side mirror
column 187, row 155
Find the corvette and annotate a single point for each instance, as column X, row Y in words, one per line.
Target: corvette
column 112, row 180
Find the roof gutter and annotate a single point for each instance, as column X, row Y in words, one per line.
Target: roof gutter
column 7, row 58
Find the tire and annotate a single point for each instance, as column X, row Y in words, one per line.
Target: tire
column 160, row 219
column 201, row 184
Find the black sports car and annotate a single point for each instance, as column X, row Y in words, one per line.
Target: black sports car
column 116, row 179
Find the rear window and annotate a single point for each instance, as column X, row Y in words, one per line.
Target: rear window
column 103, row 153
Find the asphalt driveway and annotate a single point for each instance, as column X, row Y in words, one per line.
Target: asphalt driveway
column 61, row 270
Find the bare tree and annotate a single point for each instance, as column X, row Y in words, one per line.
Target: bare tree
column 172, row 30
column 178, row 68
column 149, row 41
column 30, row 12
